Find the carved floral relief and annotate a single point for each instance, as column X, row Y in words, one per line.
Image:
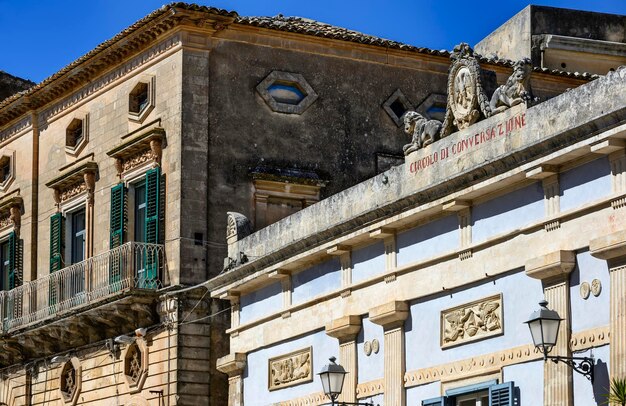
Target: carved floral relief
column 472, row 321
column 290, row 369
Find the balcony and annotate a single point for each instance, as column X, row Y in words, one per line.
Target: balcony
column 106, row 294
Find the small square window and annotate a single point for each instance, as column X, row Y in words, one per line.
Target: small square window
column 396, row 106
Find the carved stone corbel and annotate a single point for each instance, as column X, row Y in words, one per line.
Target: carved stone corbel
column 90, row 183
column 11, row 212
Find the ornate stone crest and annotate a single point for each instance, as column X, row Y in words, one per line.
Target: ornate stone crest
column 472, row 321
column 290, row 369
column 467, row 100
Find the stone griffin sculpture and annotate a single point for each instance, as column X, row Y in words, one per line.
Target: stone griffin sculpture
column 422, row 131
column 515, row 90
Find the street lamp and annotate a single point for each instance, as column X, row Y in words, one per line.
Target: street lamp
column 332, row 376
column 544, row 328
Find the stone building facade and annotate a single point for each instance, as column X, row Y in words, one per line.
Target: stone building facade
column 117, row 174
column 420, row 279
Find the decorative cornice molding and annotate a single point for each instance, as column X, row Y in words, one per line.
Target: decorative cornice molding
column 371, row 388
column 609, row 246
column 232, row 364
column 556, row 264
column 344, row 328
column 592, row 338
column 390, row 315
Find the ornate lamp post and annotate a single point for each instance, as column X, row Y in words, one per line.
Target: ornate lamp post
column 544, row 328
column 332, row 376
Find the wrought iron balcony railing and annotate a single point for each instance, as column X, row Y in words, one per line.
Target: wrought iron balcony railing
column 132, row 265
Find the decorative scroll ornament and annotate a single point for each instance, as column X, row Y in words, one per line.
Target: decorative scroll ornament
column 467, row 100
column 472, row 321
column 237, row 226
column 290, row 369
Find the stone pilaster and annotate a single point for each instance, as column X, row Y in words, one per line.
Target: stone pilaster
column 345, row 329
column 233, row 365
column 391, row 317
column 553, row 270
column 613, row 249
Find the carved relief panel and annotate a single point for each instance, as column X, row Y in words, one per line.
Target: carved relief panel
column 472, row 321
column 290, row 369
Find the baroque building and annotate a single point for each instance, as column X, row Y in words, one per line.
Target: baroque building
column 119, row 173
column 421, row 279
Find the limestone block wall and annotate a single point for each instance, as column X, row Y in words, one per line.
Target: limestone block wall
column 107, row 110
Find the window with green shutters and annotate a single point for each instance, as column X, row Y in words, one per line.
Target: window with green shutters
column 146, row 209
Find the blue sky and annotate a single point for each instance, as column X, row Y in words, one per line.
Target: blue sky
column 40, row 37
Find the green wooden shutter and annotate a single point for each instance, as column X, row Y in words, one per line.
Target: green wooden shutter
column 56, row 242
column 440, row 401
column 12, row 260
column 153, row 208
column 56, row 255
column 118, row 215
column 117, row 223
column 153, row 185
column 501, row 395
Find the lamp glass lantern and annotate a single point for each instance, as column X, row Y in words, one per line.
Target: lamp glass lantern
column 544, row 327
column 332, row 376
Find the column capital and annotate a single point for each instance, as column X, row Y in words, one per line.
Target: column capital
column 555, row 265
column 609, row 246
column 344, row 328
column 390, row 315
column 232, row 364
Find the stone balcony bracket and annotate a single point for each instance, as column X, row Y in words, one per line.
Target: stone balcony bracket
column 609, row 247
column 232, row 364
column 390, row 315
column 553, row 266
column 344, row 328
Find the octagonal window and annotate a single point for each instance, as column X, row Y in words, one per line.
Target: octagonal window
column 286, row 92
column 6, row 170
column 136, row 365
column 141, row 99
column 76, row 134
column 434, row 107
column 70, row 381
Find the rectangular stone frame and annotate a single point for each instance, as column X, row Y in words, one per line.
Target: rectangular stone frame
column 488, row 334
column 284, row 357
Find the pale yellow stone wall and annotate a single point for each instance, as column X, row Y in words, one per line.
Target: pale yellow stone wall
column 108, row 123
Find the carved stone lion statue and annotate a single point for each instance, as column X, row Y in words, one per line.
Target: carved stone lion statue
column 515, row 90
column 423, row 131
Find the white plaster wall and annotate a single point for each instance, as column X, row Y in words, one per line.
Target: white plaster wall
column 507, row 212
column 593, row 312
column 372, row 367
column 528, row 382
column 368, row 261
column 315, row 281
column 520, row 296
column 260, row 302
column 378, row 400
column 585, row 183
column 428, row 240
column 416, row 394
column 255, row 380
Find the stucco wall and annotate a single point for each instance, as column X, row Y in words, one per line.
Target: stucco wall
column 370, row 367
column 316, row 280
column 255, row 378
column 594, row 311
column 585, row 183
column 428, row 240
column 260, row 302
column 368, row 261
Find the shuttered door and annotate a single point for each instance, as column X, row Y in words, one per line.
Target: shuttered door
column 116, row 239
column 501, row 395
column 153, row 207
column 12, row 260
column 56, row 255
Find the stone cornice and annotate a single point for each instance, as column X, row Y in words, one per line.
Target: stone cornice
column 609, row 246
column 390, row 315
column 344, row 328
column 128, row 42
column 232, row 364
column 554, row 265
